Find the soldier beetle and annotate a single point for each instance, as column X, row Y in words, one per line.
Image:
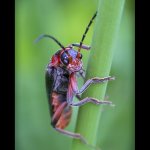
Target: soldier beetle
column 61, row 83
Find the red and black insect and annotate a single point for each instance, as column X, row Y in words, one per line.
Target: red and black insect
column 61, row 84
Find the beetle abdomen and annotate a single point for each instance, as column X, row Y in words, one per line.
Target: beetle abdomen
column 60, row 110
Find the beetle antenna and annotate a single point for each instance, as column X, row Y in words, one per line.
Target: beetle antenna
column 51, row 37
column 87, row 28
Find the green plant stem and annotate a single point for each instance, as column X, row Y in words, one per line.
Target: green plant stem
column 106, row 27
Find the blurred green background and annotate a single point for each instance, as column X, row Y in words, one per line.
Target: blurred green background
column 66, row 20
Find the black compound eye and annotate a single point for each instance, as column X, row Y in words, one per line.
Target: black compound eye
column 64, row 58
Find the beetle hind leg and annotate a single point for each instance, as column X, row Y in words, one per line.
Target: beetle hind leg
column 72, row 134
column 61, row 119
column 76, row 136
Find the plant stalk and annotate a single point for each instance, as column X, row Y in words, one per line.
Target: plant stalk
column 107, row 24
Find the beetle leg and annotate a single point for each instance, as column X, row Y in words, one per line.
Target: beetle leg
column 61, row 119
column 71, row 134
column 93, row 81
column 89, row 99
column 85, row 86
column 92, row 100
column 82, row 46
column 73, row 88
column 81, row 73
column 76, row 136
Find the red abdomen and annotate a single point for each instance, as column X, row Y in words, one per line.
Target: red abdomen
column 60, row 110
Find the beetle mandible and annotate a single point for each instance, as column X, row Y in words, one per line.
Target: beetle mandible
column 61, row 84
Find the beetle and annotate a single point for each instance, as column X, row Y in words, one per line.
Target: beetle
column 61, row 83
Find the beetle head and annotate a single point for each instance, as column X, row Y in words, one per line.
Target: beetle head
column 71, row 59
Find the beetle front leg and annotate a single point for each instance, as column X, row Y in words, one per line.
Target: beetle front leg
column 93, row 81
column 82, row 46
column 89, row 99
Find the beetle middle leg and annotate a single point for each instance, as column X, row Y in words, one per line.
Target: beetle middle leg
column 92, row 100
